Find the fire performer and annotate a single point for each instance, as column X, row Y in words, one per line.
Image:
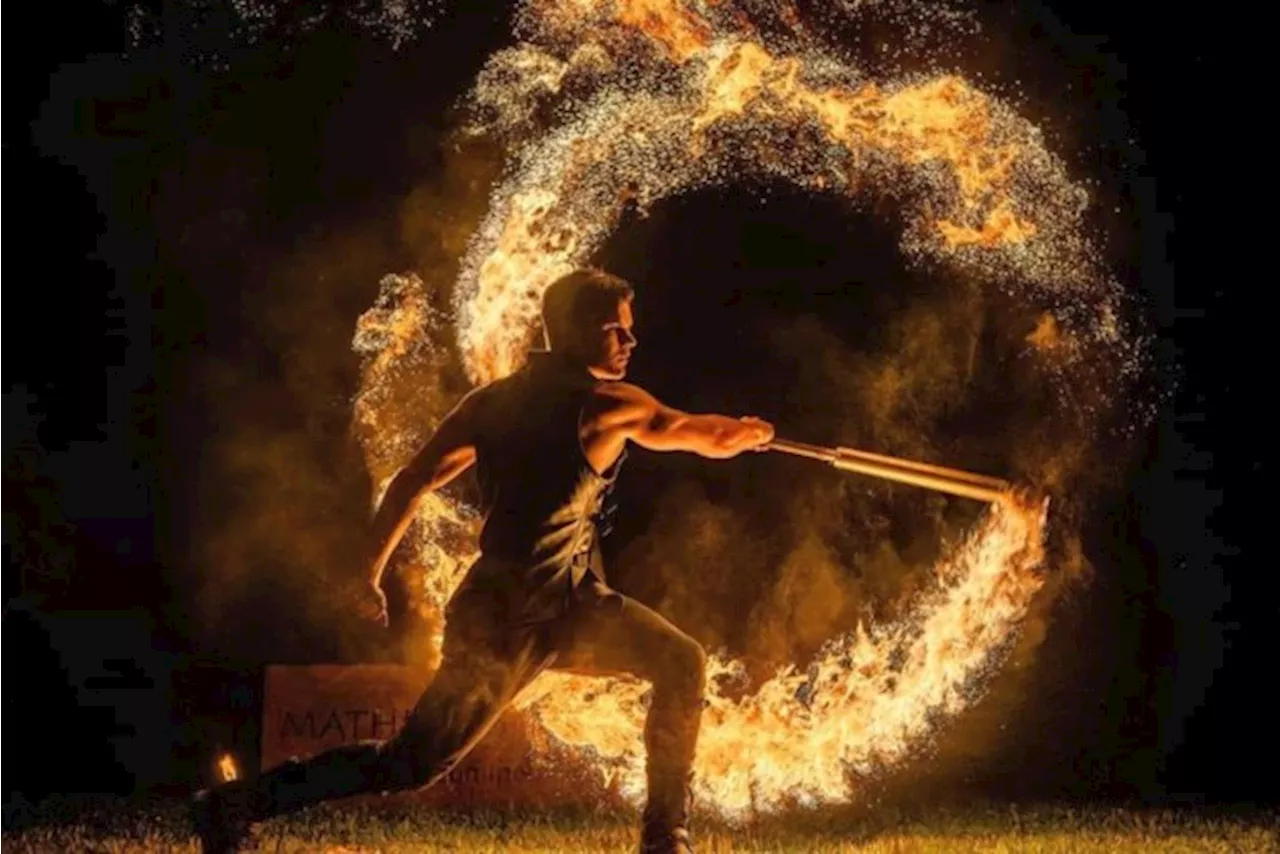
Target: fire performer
column 547, row 443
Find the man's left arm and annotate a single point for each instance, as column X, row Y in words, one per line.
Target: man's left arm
column 448, row 453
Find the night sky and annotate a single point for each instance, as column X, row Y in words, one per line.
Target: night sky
column 168, row 225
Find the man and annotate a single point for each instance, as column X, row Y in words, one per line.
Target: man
column 547, row 443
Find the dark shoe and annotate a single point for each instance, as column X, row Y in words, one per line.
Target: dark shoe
column 675, row 841
column 221, row 819
column 664, row 824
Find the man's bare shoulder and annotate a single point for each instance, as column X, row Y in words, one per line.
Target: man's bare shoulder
column 619, row 402
column 623, row 394
column 468, row 406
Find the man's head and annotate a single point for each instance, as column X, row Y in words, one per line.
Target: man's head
column 587, row 318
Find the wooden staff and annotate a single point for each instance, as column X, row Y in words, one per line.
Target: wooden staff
column 927, row 475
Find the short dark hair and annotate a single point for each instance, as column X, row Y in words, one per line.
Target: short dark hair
column 582, row 297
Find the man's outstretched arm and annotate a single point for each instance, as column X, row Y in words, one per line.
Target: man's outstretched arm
column 447, row 454
column 634, row 414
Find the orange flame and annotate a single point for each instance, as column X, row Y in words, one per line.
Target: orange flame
column 668, row 22
column 227, row 768
column 862, row 707
column 976, row 169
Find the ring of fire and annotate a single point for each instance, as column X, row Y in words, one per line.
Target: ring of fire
column 981, row 195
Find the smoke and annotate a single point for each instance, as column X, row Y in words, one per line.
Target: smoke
column 809, row 603
column 288, row 477
column 282, row 491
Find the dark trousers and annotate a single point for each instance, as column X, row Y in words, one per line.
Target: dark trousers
column 488, row 657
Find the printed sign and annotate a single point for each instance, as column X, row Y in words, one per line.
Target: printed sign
column 309, row 709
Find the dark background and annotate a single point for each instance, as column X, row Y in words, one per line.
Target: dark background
column 135, row 257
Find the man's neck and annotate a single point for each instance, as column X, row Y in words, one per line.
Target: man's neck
column 562, row 363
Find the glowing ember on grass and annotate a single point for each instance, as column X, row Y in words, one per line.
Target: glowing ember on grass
column 670, row 97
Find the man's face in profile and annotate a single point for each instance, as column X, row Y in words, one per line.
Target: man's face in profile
column 608, row 343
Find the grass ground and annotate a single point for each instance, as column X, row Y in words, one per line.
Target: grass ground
column 160, row 826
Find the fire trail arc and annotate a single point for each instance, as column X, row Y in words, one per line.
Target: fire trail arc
column 653, row 98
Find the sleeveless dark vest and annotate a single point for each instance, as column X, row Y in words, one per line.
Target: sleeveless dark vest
column 541, row 499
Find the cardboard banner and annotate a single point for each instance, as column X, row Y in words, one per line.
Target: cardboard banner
column 309, row 709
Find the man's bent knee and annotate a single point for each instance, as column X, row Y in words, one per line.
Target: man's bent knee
column 697, row 663
column 685, row 671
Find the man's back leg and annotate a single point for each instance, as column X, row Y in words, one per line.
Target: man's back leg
column 477, row 679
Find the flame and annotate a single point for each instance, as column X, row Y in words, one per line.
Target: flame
column 1046, row 335
column 227, row 768
column 859, row 711
column 714, row 102
column 668, row 22
column 975, row 170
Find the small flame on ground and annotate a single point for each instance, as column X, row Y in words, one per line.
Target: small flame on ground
column 227, row 770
